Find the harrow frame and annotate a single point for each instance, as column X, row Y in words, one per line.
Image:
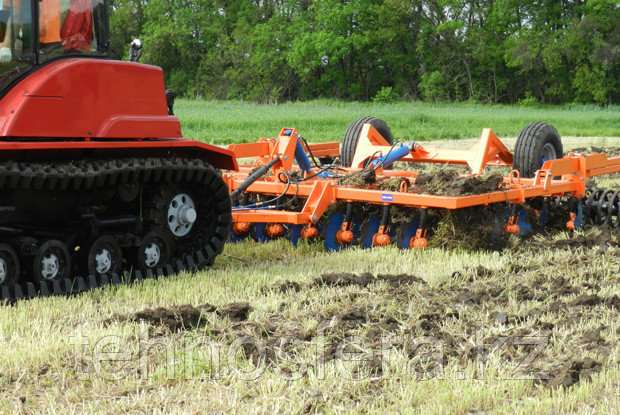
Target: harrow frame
column 565, row 177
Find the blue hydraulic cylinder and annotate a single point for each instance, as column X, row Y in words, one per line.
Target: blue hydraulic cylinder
column 396, row 154
column 302, row 159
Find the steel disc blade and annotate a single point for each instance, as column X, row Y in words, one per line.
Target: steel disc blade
column 234, row 238
column 368, row 230
column 544, row 213
column 406, row 231
column 525, row 227
column 259, row 233
column 579, row 218
column 294, row 233
column 334, row 223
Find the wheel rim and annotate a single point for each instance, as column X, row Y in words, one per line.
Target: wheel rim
column 181, row 215
column 152, row 255
column 103, row 261
column 50, row 266
column 548, row 152
column 3, row 270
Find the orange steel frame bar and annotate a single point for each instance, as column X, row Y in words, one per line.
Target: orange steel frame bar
column 562, row 177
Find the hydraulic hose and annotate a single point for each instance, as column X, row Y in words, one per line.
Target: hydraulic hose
column 254, row 177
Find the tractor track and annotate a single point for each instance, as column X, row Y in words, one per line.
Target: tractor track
column 85, row 177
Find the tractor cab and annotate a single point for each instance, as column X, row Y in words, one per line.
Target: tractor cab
column 36, row 32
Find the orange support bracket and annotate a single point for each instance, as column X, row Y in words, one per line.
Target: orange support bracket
column 369, row 143
column 285, row 148
column 490, row 148
column 319, row 199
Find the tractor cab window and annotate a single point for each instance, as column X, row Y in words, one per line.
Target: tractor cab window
column 16, row 41
column 72, row 27
column 66, row 28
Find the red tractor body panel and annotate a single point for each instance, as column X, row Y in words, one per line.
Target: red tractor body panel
column 101, row 106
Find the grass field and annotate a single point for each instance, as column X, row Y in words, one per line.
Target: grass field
column 234, row 122
column 273, row 329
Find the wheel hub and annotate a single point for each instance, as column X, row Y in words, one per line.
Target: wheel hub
column 181, row 215
column 50, row 267
column 152, row 255
column 3, row 270
column 103, row 261
column 548, row 152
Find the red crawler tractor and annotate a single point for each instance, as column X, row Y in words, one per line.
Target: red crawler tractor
column 95, row 177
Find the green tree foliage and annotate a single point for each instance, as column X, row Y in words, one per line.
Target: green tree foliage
column 548, row 51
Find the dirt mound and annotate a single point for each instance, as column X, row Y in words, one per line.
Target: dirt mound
column 176, row 318
column 604, row 239
column 448, row 182
column 185, row 317
column 283, row 286
column 572, row 372
column 345, row 279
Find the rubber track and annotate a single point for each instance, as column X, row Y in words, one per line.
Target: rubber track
column 86, row 175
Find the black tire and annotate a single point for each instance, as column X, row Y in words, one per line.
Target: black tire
column 52, row 261
column 537, row 143
column 109, row 244
column 9, row 266
column 157, row 240
column 352, row 136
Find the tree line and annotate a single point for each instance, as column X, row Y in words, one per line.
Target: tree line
column 496, row 51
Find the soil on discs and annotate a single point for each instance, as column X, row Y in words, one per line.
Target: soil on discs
column 448, row 182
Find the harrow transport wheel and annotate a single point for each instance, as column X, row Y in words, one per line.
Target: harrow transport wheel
column 537, row 143
column 9, row 265
column 52, row 261
column 105, row 256
column 352, row 136
column 154, row 251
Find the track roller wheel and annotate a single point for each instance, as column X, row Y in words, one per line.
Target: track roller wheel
column 105, row 256
column 9, row 265
column 352, row 136
column 182, row 215
column 129, row 192
column 154, row 251
column 52, row 261
column 192, row 217
column 537, row 143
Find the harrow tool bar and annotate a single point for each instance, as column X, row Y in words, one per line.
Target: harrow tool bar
column 318, row 187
